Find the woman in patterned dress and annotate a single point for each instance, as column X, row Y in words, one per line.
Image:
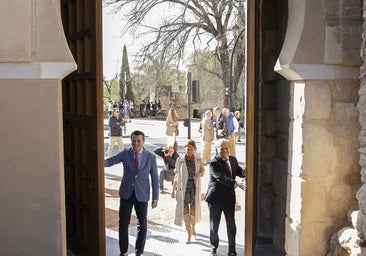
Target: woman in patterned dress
column 187, row 188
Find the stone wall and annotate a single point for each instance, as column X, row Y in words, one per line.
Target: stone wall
column 34, row 57
column 321, row 60
column 351, row 239
column 360, row 221
column 274, row 127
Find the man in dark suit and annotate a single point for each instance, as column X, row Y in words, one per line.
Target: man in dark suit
column 138, row 165
column 221, row 124
column 220, row 194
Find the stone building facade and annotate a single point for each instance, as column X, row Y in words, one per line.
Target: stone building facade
column 309, row 128
column 307, row 124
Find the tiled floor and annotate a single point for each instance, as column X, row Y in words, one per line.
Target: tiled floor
column 169, row 240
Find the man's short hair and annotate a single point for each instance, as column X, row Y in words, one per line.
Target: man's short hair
column 137, row 133
column 219, row 142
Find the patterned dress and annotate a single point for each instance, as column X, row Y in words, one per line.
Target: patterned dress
column 191, row 188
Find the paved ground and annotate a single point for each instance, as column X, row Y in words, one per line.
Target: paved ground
column 165, row 238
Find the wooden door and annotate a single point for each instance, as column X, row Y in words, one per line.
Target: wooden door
column 82, row 94
column 252, row 129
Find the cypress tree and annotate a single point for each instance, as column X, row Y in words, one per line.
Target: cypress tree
column 125, row 78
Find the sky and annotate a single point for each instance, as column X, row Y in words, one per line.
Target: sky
column 113, row 41
column 113, row 44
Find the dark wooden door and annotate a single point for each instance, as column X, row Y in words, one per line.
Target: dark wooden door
column 252, row 129
column 82, row 95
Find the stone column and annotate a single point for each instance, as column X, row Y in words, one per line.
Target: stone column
column 359, row 217
column 34, row 57
column 320, row 57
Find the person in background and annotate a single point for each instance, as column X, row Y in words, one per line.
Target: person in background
column 110, row 108
column 241, row 125
column 159, row 106
column 127, row 111
column 148, row 108
column 143, row 109
column 115, row 124
column 221, row 124
column 139, row 167
column 233, row 129
column 171, row 126
column 207, row 136
column 220, row 195
column 169, row 155
column 120, row 106
column 187, row 188
column 132, row 114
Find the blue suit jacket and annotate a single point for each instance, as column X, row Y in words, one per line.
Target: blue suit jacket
column 140, row 181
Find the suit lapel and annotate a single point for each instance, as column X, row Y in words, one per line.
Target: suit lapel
column 131, row 156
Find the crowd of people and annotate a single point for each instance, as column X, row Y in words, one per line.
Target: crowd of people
column 150, row 108
column 126, row 108
column 141, row 179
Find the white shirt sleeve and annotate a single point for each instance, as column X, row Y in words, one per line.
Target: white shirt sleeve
column 236, row 124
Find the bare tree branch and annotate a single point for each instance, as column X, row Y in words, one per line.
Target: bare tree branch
column 200, row 23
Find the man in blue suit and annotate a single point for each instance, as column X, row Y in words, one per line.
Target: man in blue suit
column 220, row 194
column 138, row 165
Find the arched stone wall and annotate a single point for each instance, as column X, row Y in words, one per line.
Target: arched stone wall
column 320, row 57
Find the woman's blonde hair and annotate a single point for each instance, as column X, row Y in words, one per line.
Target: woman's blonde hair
column 173, row 114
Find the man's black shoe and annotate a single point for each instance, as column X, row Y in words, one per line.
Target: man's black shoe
column 213, row 252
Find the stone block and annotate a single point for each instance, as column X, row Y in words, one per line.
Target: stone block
column 333, row 48
column 319, row 152
column 361, row 224
column 361, row 197
column 318, row 100
column 346, row 90
column 16, row 28
column 314, row 197
column 268, row 122
column 339, row 202
column 282, row 141
column 279, row 177
column 279, row 222
column 315, row 237
column 268, row 145
column 268, row 100
column 344, row 111
column 266, row 176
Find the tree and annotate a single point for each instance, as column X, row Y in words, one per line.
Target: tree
column 156, row 77
column 205, row 67
column 194, row 22
column 110, row 91
column 125, row 79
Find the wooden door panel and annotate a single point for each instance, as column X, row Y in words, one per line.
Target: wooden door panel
column 83, row 128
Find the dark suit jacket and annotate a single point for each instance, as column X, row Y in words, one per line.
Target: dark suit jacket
column 222, row 125
column 221, row 186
